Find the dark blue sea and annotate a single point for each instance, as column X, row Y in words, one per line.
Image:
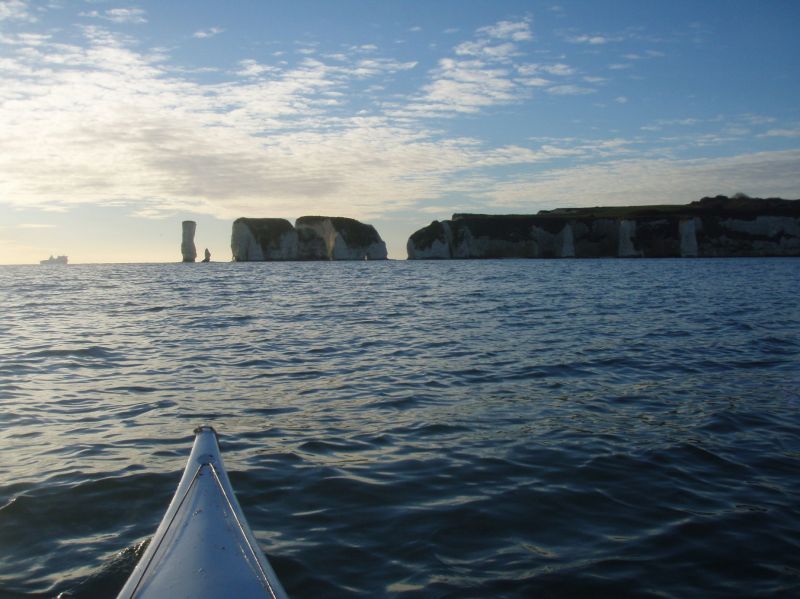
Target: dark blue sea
column 565, row 428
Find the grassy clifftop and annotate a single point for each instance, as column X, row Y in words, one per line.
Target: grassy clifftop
column 353, row 231
column 740, row 206
column 717, row 225
column 266, row 228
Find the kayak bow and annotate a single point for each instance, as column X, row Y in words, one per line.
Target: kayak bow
column 203, row 546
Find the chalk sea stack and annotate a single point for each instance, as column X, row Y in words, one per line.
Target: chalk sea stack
column 342, row 238
column 311, row 238
column 188, row 250
column 259, row 239
column 711, row 227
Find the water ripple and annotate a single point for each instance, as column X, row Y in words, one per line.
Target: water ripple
column 470, row 429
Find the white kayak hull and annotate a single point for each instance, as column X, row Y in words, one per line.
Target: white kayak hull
column 203, row 547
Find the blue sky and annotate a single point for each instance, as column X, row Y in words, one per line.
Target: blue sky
column 121, row 119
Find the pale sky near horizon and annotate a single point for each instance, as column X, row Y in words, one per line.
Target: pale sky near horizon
column 118, row 120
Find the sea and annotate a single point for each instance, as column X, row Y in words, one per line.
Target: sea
column 492, row 428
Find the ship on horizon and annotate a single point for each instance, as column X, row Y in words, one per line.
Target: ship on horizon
column 54, row 260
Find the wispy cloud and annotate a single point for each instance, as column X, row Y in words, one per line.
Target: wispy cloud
column 251, row 68
column 375, row 66
column 162, row 143
column 570, row 90
column 643, row 56
column 364, row 48
column 795, row 132
column 462, row 86
column 484, row 49
column 480, row 74
column 24, row 39
column 207, row 33
column 35, row 226
column 496, row 42
column 15, row 10
column 757, row 119
column 519, row 31
column 302, row 134
column 483, row 73
column 558, row 69
column 661, row 124
column 593, row 40
column 134, row 16
column 535, row 81
column 631, row 181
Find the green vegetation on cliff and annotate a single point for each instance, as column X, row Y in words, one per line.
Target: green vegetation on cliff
column 739, row 206
column 355, row 233
column 266, row 227
column 713, row 226
column 424, row 237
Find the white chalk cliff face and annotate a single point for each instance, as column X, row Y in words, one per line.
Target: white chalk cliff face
column 786, row 230
column 627, row 233
column 188, row 249
column 436, row 247
column 455, row 239
column 463, row 245
column 343, row 239
column 244, row 246
column 567, row 242
column 437, row 250
column 312, row 238
column 324, row 230
column 719, row 226
column 259, row 239
column 688, row 234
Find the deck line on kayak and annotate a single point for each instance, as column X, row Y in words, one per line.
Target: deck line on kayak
column 204, row 547
column 171, row 520
column 253, row 550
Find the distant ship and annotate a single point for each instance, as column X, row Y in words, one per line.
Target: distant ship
column 56, row 260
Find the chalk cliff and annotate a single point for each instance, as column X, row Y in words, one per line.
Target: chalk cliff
column 718, row 226
column 342, row 238
column 259, row 239
column 188, row 250
column 312, row 238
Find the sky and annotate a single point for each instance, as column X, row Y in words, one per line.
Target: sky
column 119, row 120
